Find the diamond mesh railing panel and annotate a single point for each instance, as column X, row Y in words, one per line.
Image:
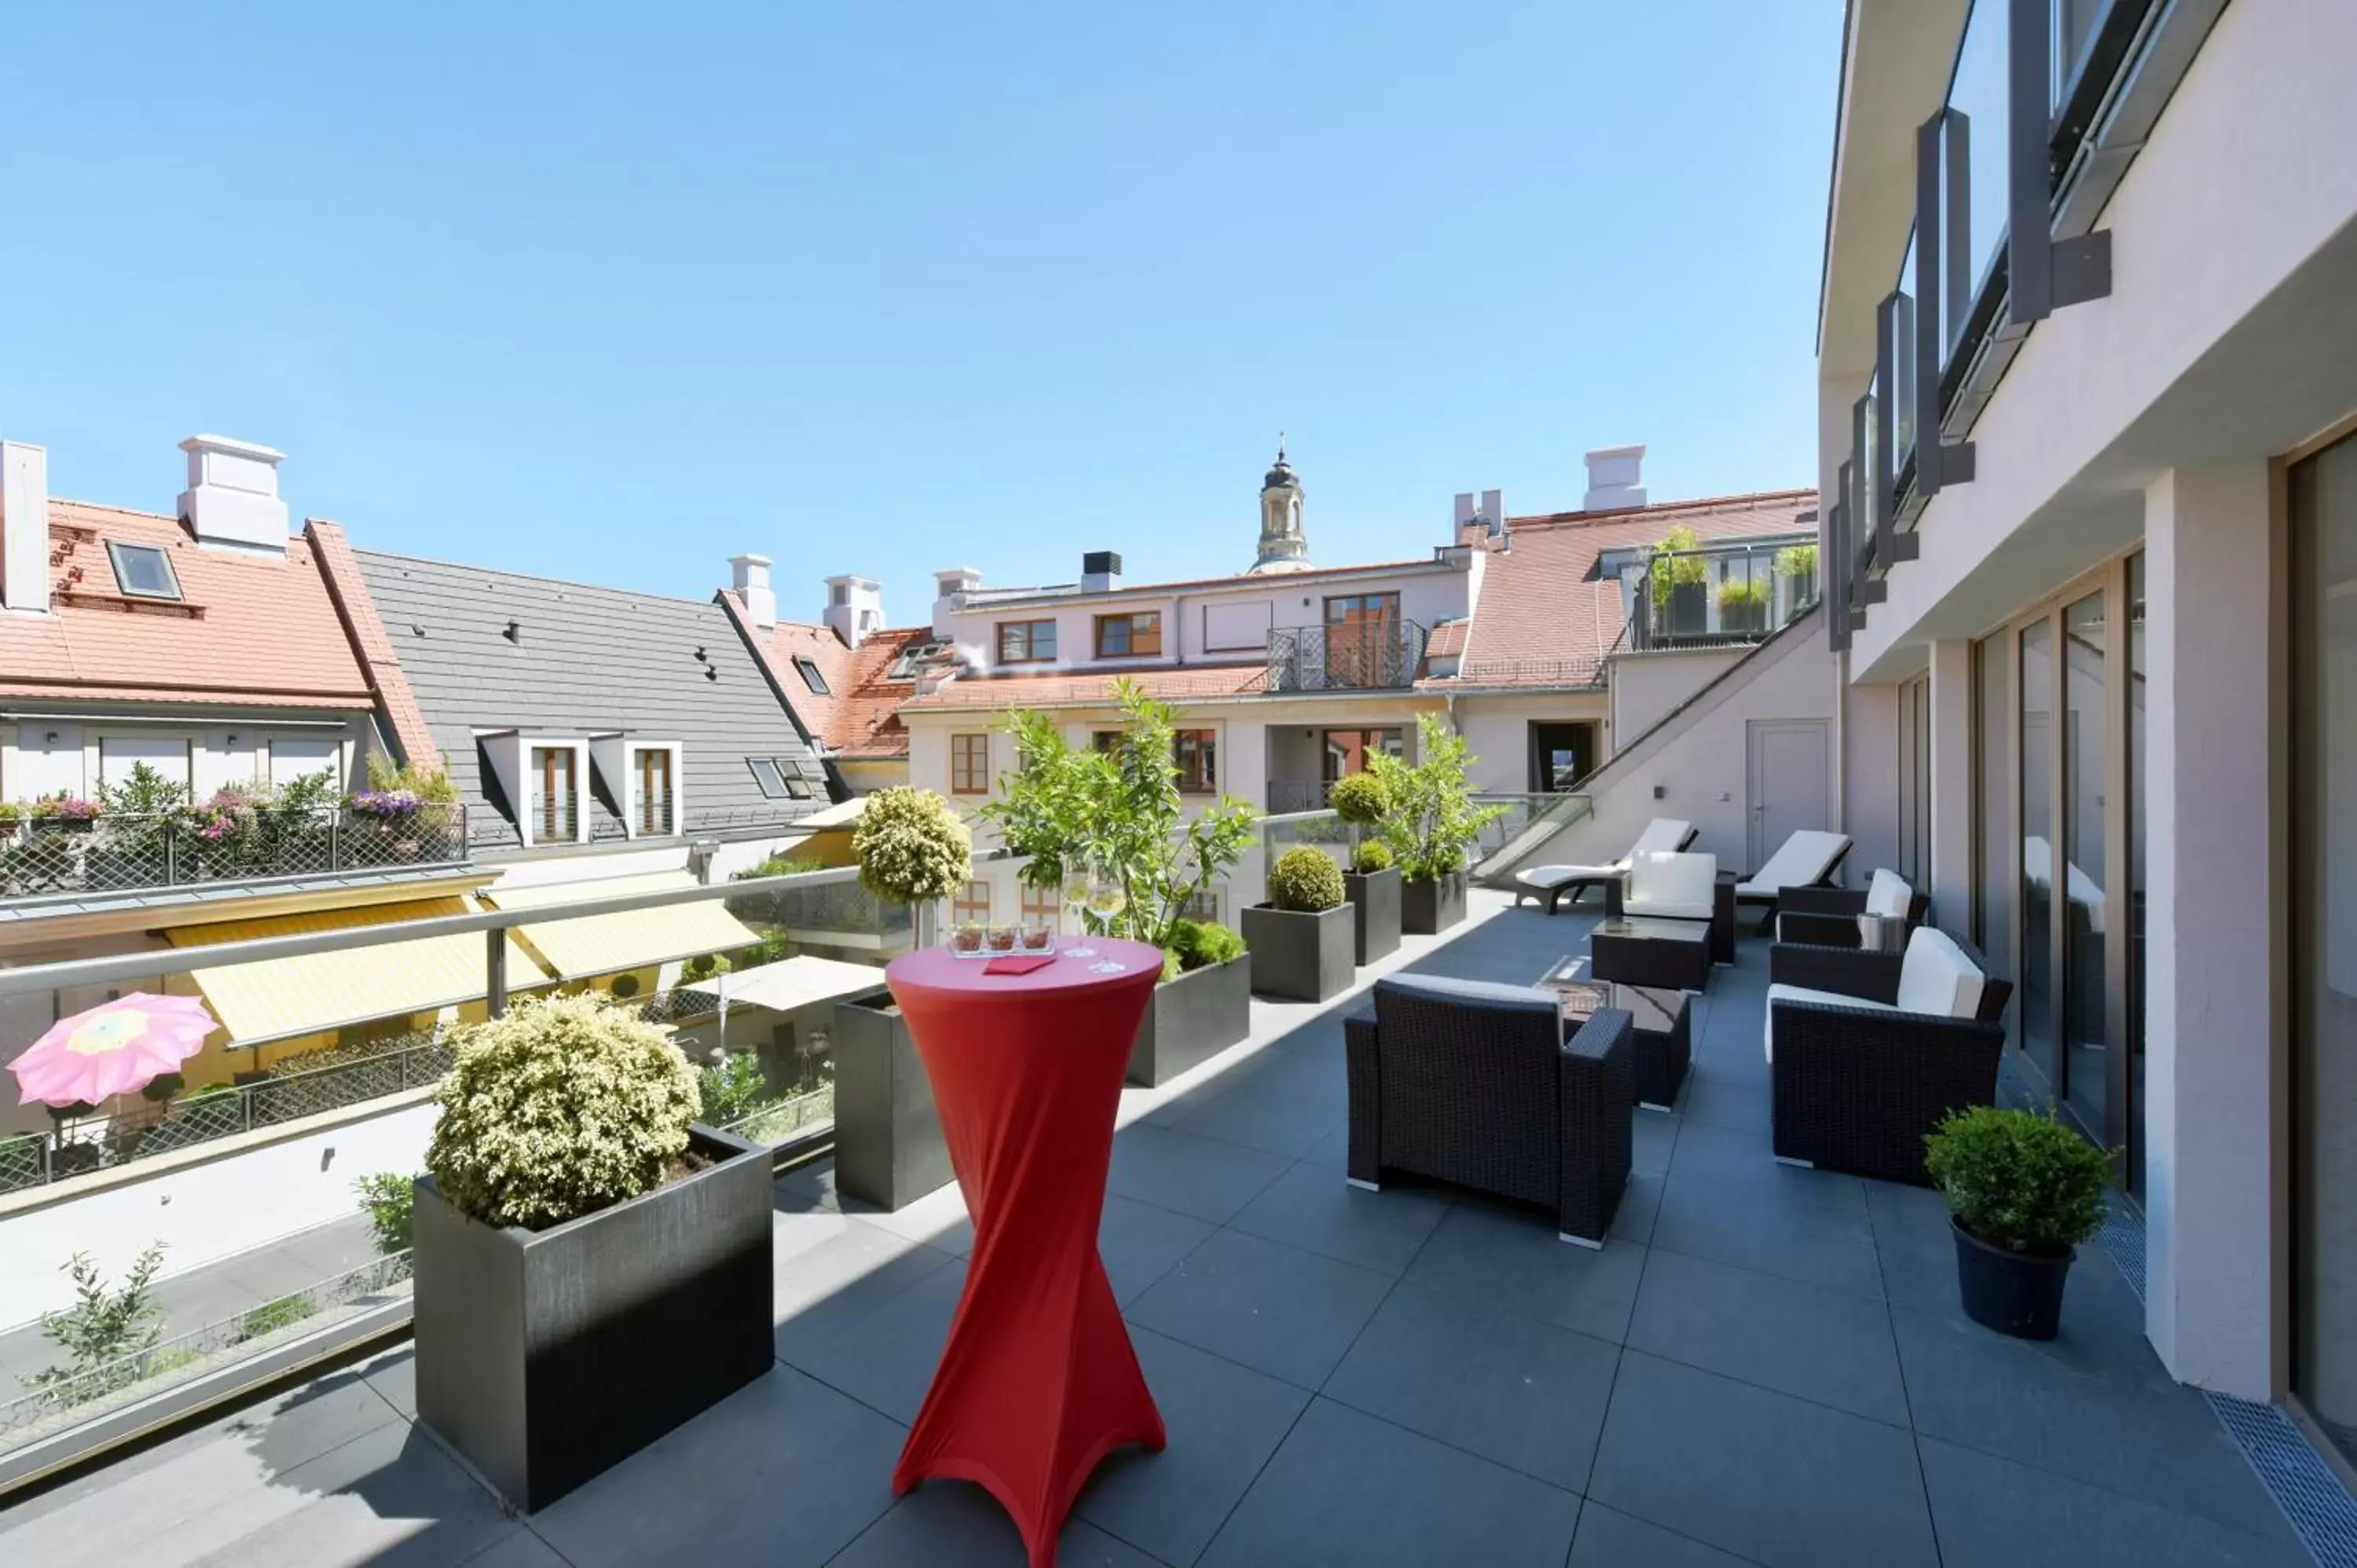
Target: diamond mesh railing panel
column 124, row 852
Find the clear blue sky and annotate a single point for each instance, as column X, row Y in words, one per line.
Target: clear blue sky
column 619, row 292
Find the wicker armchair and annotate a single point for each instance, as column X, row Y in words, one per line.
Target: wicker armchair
column 1475, row 1084
column 1827, row 917
column 1854, row 1087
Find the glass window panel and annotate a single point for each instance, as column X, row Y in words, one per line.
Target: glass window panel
column 1993, row 910
column 1979, row 90
column 2035, row 747
column 2080, row 888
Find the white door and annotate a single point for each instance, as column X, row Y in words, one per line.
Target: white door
column 1791, row 777
column 167, row 754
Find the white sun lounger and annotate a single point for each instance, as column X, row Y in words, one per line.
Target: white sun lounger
column 1554, row 883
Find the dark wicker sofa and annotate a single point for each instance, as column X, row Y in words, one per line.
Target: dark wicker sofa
column 1476, row 1084
column 1857, row 1088
column 1827, row 917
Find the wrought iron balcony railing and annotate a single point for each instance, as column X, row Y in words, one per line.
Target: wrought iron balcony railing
column 1381, row 654
column 138, row 851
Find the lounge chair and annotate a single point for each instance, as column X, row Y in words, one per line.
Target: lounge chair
column 1681, row 887
column 1827, row 917
column 1808, row 859
column 1866, row 1051
column 1474, row 1083
column 1555, row 883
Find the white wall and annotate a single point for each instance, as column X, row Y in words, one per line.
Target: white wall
column 1869, row 798
column 1498, row 731
column 207, row 1212
column 1647, row 686
column 205, row 757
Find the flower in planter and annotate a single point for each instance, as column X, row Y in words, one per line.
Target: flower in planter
column 386, row 805
column 1305, row 882
column 71, row 809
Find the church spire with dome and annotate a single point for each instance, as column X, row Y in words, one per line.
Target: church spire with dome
column 1284, row 547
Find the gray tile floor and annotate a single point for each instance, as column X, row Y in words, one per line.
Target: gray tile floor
column 1765, row 1365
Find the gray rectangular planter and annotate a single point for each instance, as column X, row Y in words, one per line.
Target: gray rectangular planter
column 1428, row 908
column 889, row 1148
column 1375, row 921
column 1298, row 957
column 1193, row 1020
column 545, row 1356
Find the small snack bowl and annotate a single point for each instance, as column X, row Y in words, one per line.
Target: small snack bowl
column 1000, row 938
column 1038, row 936
column 967, row 939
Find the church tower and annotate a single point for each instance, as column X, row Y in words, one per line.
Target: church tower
column 1284, row 547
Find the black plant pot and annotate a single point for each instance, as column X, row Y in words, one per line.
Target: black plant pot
column 545, row 1357
column 889, row 1148
column 2013, row 1293
column 1428, row 908
column 1298, row 957
column 1375, row 918
column 1193, row 1020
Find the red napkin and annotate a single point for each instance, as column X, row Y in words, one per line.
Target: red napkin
column 1023, row 965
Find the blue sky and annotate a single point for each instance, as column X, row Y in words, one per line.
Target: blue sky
column 613, row 293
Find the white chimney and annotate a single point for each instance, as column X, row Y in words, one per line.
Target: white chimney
column 855, row 608
column 24, row 526
column 1616, row 478
column 1479, row 522
column 231, row 502
column 1099, row 572
column 750, row 575
column 948, row 584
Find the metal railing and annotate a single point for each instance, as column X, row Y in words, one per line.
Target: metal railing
column 1721, row 596
column 133, row 852
column 1383, row 654
column 1288, row 796
column 71, row 1398
column 1571, row 672
column 827, row 908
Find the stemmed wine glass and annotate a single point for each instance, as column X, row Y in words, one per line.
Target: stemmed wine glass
column 1107, row 898
column 1079, row 877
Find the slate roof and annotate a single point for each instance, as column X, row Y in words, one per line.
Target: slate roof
column 585, row 660
column 1544, row 619
column 250, row 630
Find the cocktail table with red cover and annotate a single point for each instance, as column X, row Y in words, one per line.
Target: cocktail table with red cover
column 1038, row 1381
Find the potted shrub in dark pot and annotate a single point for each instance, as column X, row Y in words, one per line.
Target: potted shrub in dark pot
column 593, row 1268
column 889, row 1148
column 1373, row 883
column 1301, row 940
column 1120, row 803
column 2023, row 1191
column 1432, row 824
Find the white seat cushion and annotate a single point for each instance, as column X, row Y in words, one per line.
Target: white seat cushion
column 1888, row 895
column 1935, row 976
column 1802, row 861
column 1661, row 836
column 1547, row 878
column 1676, row 886
column 1825, row 998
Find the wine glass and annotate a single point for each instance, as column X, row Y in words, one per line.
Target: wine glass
column 1079, row 875
column 1107, row 898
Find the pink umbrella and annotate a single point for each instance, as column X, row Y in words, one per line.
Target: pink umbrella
column 117, row 1047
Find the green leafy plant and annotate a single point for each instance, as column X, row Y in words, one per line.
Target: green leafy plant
column 273, row 1315
column 781, row 863
column 702, row 967
column 389, row 1199
column 1362, row 799
column 1739, row 594
column 431, row 785
column 1675, row 564
column 563, row 1107
column 1120, row 802
column 1370, row 856
column 912, row 847
column 1304, row 881
column 1433, row 820
column 1796, row 560
column 732, row 1089
column 104, row 1324
column 1198, row 944
column 2019, row 1180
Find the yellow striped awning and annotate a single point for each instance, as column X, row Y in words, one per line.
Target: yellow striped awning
column 640, row 939
column 281, row 996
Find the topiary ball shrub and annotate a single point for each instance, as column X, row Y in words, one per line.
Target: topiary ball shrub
column 1305, row 882
column 1362, row 798
column 912, row 847
column 1198, row 944
column 2019, row 1180
column 565, row 1106
column 1371, row 858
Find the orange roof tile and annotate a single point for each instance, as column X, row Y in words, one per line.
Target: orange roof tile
column 1196, row 681
column 857, row 715
column 379, row 660
column 249, row 628
column 1542, row 618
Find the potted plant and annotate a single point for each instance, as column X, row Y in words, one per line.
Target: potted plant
column 1122, row 804
column 2023, row 1191
column 66, row 814
column 1678, row 576
column 1301, row 940
column 1743, row 604
column 593, row 1267
column 1373, row 883
column 1797, row 564
column 889, row 1148
column 1432, row 824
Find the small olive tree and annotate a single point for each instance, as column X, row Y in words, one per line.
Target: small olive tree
column 1432, row 821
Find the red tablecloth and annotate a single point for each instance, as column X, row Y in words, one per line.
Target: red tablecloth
column 1038, row 1381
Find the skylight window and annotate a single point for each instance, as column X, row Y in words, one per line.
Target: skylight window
column 772, row 783
column 142, row 571
column 808, row 670
column 912, row 657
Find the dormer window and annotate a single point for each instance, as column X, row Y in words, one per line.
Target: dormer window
column 1133, row 636
column 551, row 791
column 808, row 670
column 1026, row 641
column 142, row 571
column 652, row 810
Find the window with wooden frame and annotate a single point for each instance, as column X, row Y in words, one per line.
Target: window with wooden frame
column 970, row 764
column 655, row 814
column 1133, row 636
column 972, row 903
column 1196, row 751
column 1203, row 904
column 551, row 789
column 1040, row 902
column 1026, row 641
